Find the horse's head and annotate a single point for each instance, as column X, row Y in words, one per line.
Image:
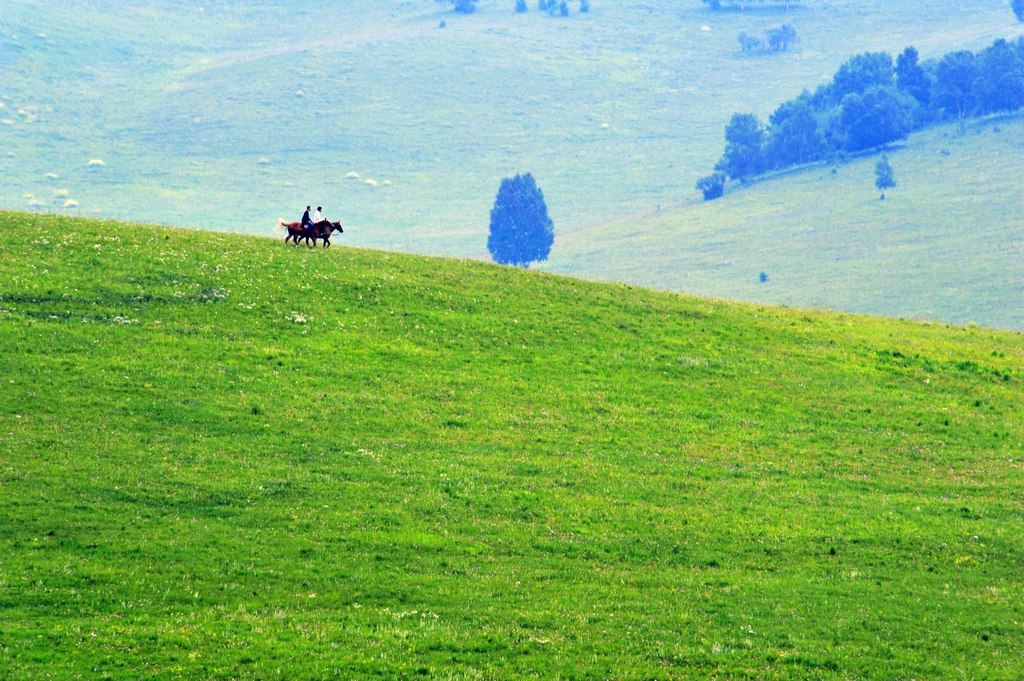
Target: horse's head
column 336, row 225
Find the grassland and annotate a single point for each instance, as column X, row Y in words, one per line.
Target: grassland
column 225, row 458
column 947, row 244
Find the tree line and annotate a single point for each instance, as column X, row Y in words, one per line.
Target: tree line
column 552, row 7
column 776, row 39
column 742, row 4
column 870, row 102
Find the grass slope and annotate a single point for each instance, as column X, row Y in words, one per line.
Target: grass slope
column 948, row 243
column 225, row 458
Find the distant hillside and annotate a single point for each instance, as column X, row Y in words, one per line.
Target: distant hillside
column 232, row 115
column 947, row 243
column 224, row 457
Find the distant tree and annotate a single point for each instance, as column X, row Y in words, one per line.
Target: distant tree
column 911, row 78
column 776, row 39
column 520, row 6
column 461, row 6
column 878, row 117
column 744, row 148
column 794, row 136
column 954, row 83
column 779, row 39
column 521, row 231
column 712, row 186
column 563, row 8
column 584, row 6
column 1018, row 9
column 749, row 42
column 858, row 74
column 884, row 178
column 743, row 4
column 1000, row 82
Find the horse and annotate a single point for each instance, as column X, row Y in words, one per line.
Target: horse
column 295, row 231
column 323, row 230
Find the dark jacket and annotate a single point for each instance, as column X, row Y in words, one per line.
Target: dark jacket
column 305, row 219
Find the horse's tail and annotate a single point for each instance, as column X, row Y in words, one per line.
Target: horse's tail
column 280, row 225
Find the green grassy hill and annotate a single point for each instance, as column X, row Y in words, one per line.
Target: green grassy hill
column 221, row 457
column 948, row 243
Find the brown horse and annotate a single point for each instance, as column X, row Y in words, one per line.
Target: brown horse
column 321, row 230
column 295, row 231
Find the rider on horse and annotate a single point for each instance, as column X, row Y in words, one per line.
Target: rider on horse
column 318, row 216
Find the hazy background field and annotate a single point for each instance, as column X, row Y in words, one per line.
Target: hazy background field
column 228, row 116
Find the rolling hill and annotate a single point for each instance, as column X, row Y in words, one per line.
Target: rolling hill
column 947, row 244
column 221, row 457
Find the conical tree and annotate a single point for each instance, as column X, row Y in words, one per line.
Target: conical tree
column 521, row 231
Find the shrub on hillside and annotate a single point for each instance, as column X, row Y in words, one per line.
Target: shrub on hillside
column 712, row 186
